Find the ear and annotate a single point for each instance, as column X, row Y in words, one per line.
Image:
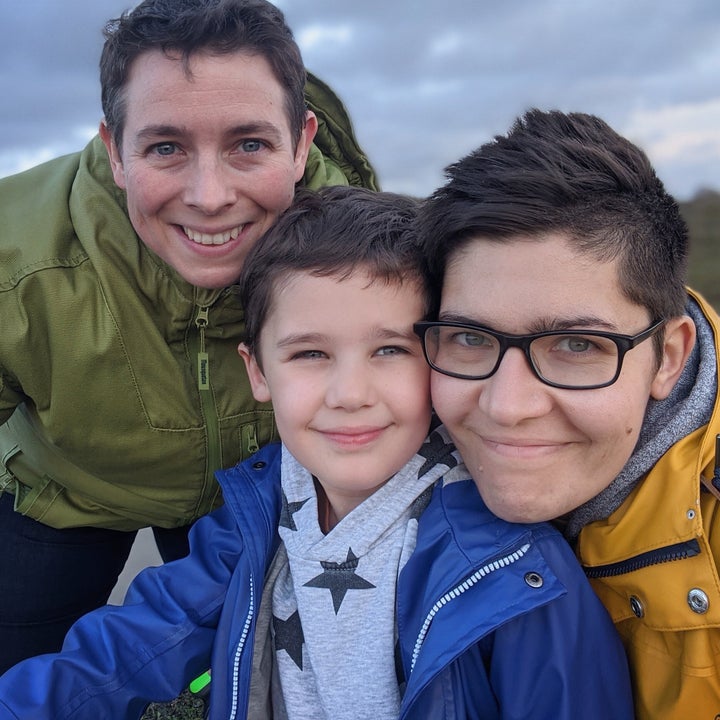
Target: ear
column 677, row 346
column 113, row 152
column 258, row 384
column 303, row 147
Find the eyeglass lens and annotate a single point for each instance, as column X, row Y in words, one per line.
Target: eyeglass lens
column 571, row 360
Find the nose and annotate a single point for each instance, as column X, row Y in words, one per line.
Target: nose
column 209, row 186
column 513, row 393
column 350, row 386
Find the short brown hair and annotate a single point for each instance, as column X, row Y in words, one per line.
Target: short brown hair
column 571, row 174
column 333, row 232
column 220, row 27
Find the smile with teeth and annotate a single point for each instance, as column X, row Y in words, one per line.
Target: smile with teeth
column 216, row 239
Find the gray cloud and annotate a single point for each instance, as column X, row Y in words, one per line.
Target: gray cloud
column 424, row 82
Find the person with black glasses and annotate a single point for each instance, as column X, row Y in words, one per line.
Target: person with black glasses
column 577, row 376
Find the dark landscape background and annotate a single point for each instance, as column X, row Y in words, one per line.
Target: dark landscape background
column 702, row 215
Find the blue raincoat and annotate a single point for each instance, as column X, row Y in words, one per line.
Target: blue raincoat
column 495, row 620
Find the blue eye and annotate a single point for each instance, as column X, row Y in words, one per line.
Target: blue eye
column 584, row 344
column 308, row 355
column 252, row 146
column 575, row 344
column 390, row 350
column 165, row 149
column 471, row 339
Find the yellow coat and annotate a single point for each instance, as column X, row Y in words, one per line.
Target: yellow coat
column 667, row 610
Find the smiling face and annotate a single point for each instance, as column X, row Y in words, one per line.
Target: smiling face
column 208, row 160
column 537, row 452
column 347, row 379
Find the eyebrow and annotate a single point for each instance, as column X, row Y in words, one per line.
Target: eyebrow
column 589, row 322
column 314, row 338
column 393, row 333
column 266, row 129
column 300, row 338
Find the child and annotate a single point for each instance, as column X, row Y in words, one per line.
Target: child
column 353, row 571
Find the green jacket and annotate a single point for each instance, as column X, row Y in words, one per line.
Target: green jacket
column 108, row 417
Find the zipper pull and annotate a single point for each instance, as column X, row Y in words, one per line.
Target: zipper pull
column 203, row 362
column 250, row 441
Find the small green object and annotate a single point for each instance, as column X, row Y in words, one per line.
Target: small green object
column 200, row 683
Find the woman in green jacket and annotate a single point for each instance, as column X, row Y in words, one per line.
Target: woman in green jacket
column 121, row 391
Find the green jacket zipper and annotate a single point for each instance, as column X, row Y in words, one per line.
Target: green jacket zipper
column 207, row 400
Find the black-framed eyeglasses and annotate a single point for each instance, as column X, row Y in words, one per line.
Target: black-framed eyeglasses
column 568, row 359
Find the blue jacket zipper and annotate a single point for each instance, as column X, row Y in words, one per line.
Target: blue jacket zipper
column 459, row 590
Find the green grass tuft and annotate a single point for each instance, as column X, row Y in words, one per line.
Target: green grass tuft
column 186, row 707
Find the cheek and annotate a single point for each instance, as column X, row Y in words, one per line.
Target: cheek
column 418, row 404
column 407, row 391
column 421, row 380
column 449, row 398
column 613, row 427
column 145, row 195
column 295, row 397
column 287, row 418
column 275, row 190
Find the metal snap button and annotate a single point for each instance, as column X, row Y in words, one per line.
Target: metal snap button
column 698, row 601
column 636, row 606
column 534, row 580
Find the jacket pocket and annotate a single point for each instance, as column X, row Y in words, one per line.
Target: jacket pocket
column 34, row 494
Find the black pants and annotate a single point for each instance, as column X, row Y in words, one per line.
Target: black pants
column 49, row 578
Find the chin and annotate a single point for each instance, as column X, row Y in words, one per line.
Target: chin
column 210, row 283
column 511, row 512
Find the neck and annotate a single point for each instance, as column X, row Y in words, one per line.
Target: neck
column 327, row 517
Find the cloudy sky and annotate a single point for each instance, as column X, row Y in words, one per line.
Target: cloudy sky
column 425, row 81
